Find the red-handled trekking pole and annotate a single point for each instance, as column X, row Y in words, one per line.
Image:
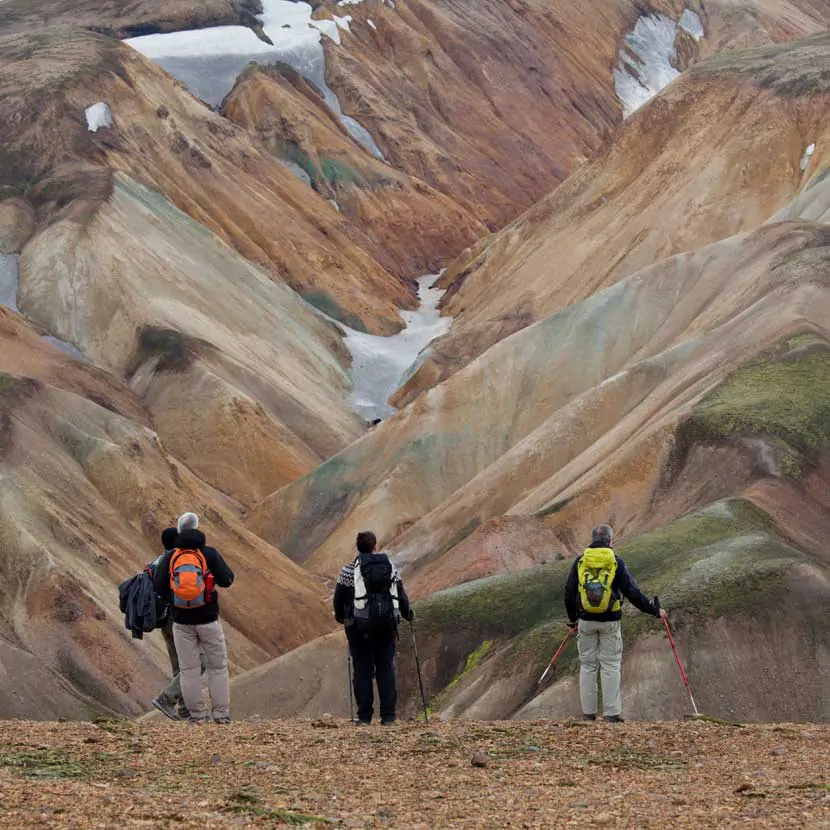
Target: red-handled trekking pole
column 553, row 659
column 680, row 666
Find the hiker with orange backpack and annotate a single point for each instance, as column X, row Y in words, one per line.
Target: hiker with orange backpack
column 188, row 577
column 597, row 582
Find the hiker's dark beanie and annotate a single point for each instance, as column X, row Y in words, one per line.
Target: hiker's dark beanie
column 602, row 533
column 168, row 538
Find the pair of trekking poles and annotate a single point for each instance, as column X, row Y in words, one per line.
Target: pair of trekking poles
column 673, row 648
column 417, row 665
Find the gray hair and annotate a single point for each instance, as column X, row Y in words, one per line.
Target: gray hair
column 603, row 534
column 187, row 521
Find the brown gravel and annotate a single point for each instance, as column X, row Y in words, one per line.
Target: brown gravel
column 116, row 774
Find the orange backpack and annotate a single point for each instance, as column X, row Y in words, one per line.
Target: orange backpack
column 189, row 578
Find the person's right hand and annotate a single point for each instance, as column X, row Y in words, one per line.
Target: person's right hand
column 663, row 614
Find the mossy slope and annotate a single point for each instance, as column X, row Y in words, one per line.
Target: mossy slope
column 723, row 561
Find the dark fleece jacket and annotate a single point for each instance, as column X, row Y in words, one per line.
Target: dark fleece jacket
column 622, row 586
column 222, row 574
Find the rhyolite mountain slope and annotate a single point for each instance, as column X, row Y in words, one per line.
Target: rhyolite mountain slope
column 721, row 151
column 86, row 487
column 495, row 103
column 416, row 228
column 539, row 416
column 166, row 140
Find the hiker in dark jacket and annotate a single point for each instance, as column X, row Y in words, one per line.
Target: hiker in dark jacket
column 597, row 583
column 369, row 600
column 196, row 571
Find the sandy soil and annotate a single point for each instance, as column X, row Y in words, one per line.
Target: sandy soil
column 456, row 774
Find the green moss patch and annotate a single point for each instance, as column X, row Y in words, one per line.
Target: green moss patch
column 43, row 764
column 784, row 396
column 175, row 350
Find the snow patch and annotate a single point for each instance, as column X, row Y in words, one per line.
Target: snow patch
column 371, row 23
column 379, row 364
column 808, row 154
column 691, row 24
column 644, row 65
column 9, row 280
column 98, row 117
column 350, row 2
column 208, row 61
column 333, row 203
column 646, row 58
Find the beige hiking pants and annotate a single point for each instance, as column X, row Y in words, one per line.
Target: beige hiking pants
column 207, row 639
column 600, row 652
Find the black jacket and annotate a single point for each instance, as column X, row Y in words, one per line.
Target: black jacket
column 222, row 574
column 344, row 594
column 137, row 601
column 622, row 586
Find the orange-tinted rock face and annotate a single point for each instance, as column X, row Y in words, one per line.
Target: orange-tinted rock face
column 487, row 102
column 413, row 228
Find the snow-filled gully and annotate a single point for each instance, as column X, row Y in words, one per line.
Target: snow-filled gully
column 381, row 364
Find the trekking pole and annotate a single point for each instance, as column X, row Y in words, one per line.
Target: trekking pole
column 553, row 659
column 418, row 666
column 680, row 666
column 351, row 687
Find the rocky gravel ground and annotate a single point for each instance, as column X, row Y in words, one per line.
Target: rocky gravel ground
column 460, row 774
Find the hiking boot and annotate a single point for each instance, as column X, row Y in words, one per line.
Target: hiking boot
column 614, row 719
column 165, row 707
column 589, row 717
column 362, row 722
column 183, row 712
column 197, row 721
column 222, row 720
column 388, row 722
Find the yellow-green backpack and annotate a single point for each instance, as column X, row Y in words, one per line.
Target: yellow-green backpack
column 596, row 571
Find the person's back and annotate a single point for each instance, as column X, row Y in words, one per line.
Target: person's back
column 597, row 583
column 369, row 600
column 188, row 577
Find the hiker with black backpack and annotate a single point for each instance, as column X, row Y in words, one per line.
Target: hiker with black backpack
column 597, row 583
column 187, row 578
column 370, row 600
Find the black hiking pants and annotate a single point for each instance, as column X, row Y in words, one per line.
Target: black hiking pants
column 374, row 655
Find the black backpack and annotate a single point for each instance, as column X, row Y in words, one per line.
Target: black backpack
column 379, row 613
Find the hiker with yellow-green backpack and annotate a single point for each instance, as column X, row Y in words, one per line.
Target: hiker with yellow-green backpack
column 597, row 583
